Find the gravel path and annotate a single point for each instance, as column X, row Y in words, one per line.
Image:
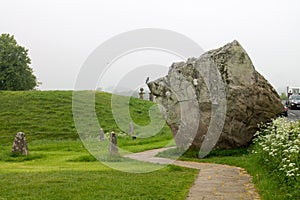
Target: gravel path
column 214, row 181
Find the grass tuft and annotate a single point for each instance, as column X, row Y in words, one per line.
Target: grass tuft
column 83, row 158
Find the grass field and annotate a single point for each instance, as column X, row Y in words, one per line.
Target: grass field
column 65, row 170
column 59, row 167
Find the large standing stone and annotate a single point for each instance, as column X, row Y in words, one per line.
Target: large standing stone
column 20, row 145
column 250, row 99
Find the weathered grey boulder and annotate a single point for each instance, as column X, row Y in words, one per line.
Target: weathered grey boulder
column 221, row 86
column 20, row 144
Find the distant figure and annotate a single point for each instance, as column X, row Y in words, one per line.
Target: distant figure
column 147, row 80
column 141, row 93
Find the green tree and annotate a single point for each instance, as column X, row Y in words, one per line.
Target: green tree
column 15, row 72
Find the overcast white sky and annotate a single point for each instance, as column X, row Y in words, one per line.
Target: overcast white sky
column 60, row 35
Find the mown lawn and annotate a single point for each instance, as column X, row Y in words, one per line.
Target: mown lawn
column 59, row 166
column 65, row 170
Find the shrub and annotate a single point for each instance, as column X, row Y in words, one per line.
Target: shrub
column 277, row 145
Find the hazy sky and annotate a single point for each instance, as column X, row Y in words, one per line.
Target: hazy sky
column 60, row 35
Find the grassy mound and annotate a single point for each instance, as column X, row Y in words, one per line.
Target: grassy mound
column 48, row 115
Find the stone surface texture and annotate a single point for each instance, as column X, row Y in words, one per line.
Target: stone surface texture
column 20, row 144
column 113, row 145
column 191, row 89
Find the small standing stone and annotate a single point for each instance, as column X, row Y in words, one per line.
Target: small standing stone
column 130, row 128
column 141, row 93
column 20, row 145
column 113, row 146
column 102, row 137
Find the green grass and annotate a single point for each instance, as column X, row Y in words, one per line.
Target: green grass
column 65, row 170
column 269, row 186
column 48, row 115
column 60, row 167
column 93, row 185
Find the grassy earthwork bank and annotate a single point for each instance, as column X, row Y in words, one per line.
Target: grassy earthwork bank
column 59, row 167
